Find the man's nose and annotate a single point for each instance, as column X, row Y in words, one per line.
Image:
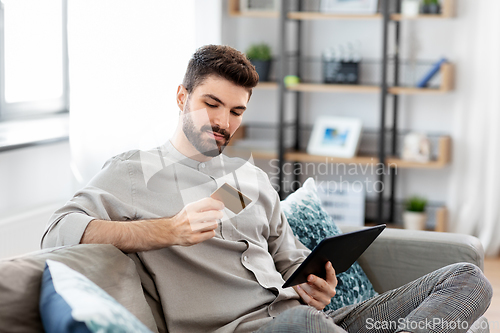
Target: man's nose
column 222, row 119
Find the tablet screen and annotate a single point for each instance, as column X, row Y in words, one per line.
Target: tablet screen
column 341, row 250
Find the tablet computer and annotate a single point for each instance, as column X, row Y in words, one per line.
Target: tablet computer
column 341, row 250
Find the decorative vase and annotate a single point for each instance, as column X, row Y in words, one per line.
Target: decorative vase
column 263, row 68
column 410, row 7
column 414, row 220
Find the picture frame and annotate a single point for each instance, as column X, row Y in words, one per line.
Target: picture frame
column 416, row 148
column 259, row 5
column 364, row 7
column 335, row 136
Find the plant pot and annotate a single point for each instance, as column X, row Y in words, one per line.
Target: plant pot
column 263, row 68
column 410, row 7
column 431, row 9
column 414, row 220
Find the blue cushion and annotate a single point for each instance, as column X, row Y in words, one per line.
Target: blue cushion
column 70, row 302
column 311, row 224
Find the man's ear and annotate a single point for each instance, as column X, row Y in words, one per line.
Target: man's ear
column 182, row 95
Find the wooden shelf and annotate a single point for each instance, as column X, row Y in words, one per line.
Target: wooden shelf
column 447, row 74
column 441, row 219
column 318, row 87
column 444, row 157
column 327, row 16
column 262, row 14
column 447, row 11
column 234, row 10
column 442, row 161
column 401, row 17
column 267, row 85
column 305, row 157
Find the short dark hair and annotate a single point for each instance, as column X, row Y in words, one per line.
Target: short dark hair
column 223, row 61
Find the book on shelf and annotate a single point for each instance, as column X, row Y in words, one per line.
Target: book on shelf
column 424, row 81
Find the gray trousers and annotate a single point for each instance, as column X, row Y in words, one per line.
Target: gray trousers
column 449, row 299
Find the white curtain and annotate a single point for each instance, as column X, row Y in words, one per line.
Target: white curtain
column 126, row 59
column 475, row 190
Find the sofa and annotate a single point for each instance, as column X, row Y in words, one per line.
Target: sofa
column 396, row 257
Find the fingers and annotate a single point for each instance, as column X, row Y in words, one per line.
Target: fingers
column 309, row 299
column 204, row 226
column 319, row 290
column 207, row 216
column 201, row 237
column 206, row 204
column 331, row 277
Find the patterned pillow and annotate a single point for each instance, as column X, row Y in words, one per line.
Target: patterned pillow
column 310, row 224
column 70, row 302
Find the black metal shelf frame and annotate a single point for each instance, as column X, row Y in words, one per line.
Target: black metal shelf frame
column 282, row 72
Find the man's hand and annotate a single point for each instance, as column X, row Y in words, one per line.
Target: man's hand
column 317, row 292
column 195, row 223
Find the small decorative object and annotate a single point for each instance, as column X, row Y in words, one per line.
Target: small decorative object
column 410, row 7
column 260, row 56
column 424, row 81
column 414, row 216
column 431, row 7
column 416, row 148
column 349, row 6
column 335, row 136
column 259, row 5
column 341, row 65
column 291, row 80
column 343, row 201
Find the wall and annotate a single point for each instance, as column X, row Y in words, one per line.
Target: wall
column 33, row 183
column 423, row 39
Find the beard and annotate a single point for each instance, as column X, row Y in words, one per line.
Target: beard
column 206, row 146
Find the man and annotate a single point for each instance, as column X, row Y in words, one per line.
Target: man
column 214, row 269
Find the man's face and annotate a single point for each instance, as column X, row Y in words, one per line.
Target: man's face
column 212, row 113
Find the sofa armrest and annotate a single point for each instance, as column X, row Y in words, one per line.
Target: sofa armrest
column 399, row 256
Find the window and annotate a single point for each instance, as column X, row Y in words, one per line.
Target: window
column 33, row 58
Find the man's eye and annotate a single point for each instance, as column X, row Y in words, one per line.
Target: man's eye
column 210, row 105
column 236, row 113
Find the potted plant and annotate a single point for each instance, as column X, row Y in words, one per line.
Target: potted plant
column 260, row 56
column 431, row 7
column 414, row 216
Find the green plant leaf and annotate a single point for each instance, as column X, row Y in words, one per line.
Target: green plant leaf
column 416, row 204
column 259, row 52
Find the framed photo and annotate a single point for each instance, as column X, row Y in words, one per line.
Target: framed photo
column 335, row 136
column 416, row 148
column 258, row 5
column 349, row 6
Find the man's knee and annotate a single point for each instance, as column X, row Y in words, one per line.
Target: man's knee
column 474, row 278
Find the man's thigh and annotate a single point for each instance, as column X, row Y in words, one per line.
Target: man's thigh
column 301, row 319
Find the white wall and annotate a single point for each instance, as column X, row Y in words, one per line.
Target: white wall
column 33, row 183
column 422, row 39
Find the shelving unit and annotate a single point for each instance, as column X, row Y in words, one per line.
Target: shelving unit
column 447, row 11
column 446, row 71
column 316, row 87
column 383, row 157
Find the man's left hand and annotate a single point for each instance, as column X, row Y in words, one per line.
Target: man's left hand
column 317, row 292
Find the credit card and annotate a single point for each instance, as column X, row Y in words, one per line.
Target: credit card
column 233, row 199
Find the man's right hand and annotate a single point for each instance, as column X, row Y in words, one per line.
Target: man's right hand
column 195, row 223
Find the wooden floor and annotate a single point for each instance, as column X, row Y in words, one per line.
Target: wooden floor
column 492, row 272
